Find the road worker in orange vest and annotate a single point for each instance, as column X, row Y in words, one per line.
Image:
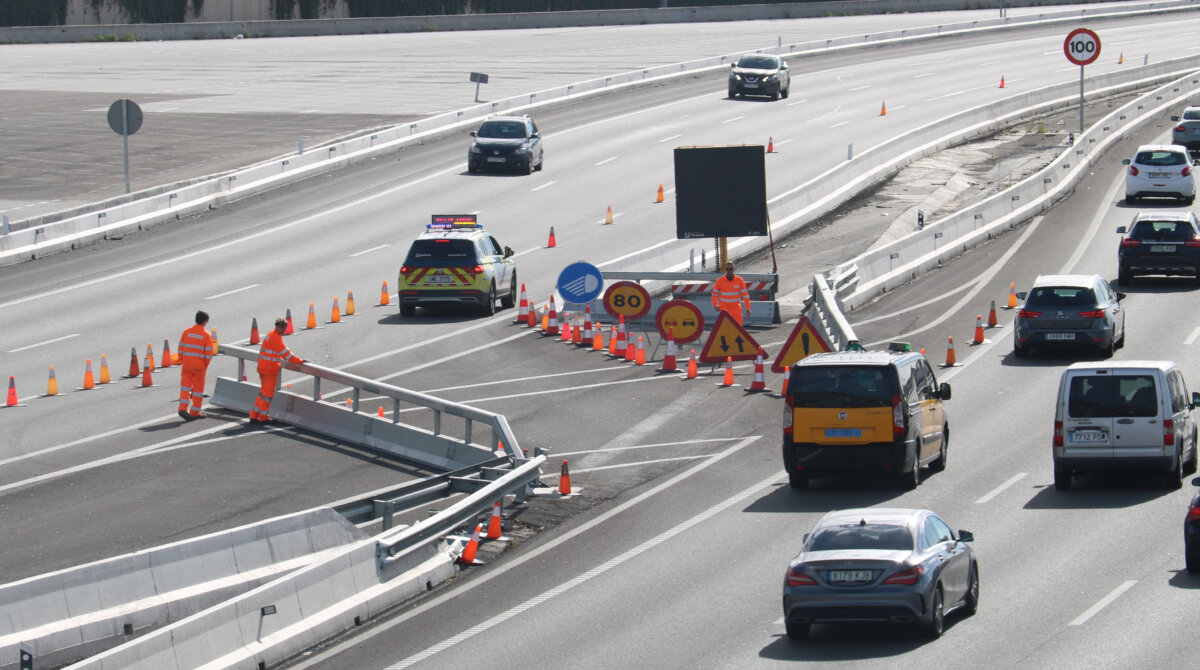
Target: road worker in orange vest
column 195, row 353
column 271, row 357
column 729, row 292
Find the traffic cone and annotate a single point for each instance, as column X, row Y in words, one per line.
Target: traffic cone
column 992, row 315
column 728, row 380
column 384, row 298
column 89, row 382
column 290, row 327
column 349, row 303
column 532, row 318
column 1121, row 60
column 608, row 216
column 216, row 342
column 630, row 349
column 149, row 357
column 783, row 390
column 978, row 329
column 564, row 480
column 759, row 383
column 380, row 412
column 12, row 392
column 336, row 316
column 552, row 325
column 660, row 194
column 52, row 383
column 619, row 350
column 545, row 320
column 134, row 370
column 254, row 330
column 640, row 356
column 598, row 338
column 104, row 375
column 565, row 331
column 770, row 145
column 587, row 336
column 577, row 334
column 312, row 317
column 166, row 354
column 468, row 555
column 1001, row 81
column 147, row 380
column 494, row 524
column 551, row 244
column 668, row 364
column 523, row 312
column 693, row 368
column 951, row 361
column 883, row 109
column 1012, row 295
column 613, row 340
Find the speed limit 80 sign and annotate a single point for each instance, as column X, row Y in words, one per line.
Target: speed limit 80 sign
column 1082, row 46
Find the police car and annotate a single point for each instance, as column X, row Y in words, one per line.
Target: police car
column 456, row 261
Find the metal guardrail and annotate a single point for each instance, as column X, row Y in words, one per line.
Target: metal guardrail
column 825, row 313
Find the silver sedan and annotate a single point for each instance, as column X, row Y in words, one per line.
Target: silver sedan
column 880, row 565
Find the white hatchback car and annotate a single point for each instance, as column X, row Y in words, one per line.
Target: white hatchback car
column 1160, row 170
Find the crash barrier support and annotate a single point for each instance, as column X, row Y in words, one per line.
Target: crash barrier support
column 433, row 448
column 66, row 230
column 825, row 314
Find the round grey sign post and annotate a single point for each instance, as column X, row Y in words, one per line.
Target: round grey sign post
column 1082, row 47
column 125, row 118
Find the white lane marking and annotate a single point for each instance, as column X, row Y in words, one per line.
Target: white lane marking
column 538, row 188
column 898, row 107
column 367, row 251
column 1082, row 245
column 991, row 62
column 643, row 446
column 668, row 139
column 736, row 118
column 1192, row 338
column 633, row 464
column 918, row 305
column 1000, row 489
column 839, row 124
column 796, row 102
column 43, row 343
column 606, row 160
column 236, row 290
column 571, row 583
column 1104, row 602
column 782, row 142
column 926, row 74
column 1050, row 53
column 857, row 88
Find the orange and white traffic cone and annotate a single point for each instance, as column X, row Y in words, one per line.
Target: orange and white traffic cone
column 384, row 296
column 291, row 327
column 608, row 219
column 166, row 354
column 52, row 383
column 992, row 315
column 12, row 392
column 951, row 361
column 552, row 323
column 660, row 194
column 523, row 312
column 149, row 360
column 728, row 379
column 1012, row 295
column 770, row 145
column 104, row 374
column 349, row 303
column 1001, row 81
column 598, row 338
column 1121, row 60
column 693, row 368
column 533, row 318
column 134, row 369
column 254, row 330
column 759, row 383
column 577, row 334
column 883, row 109
column 336, row 316
column 639, row 357
column 668, row 364
column 468, row 554
column 783, row 390
column 564, row 480
column 312, row 317
column 978, row 329
column 89, row 381
column 550, row 244
column 587, row 335
column 495, row 526
column 630, row 349
column 612, row 340
column 564, row 332
column 147, row 380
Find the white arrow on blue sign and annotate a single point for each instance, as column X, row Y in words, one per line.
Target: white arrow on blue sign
column 580, row 283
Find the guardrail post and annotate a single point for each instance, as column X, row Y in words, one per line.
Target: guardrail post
column 316, row 388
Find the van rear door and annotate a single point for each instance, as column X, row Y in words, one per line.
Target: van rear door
column 1138, row 418
column 1088, row 416
column 842, row 405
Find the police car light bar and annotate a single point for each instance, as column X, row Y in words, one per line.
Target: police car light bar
column 453, row 222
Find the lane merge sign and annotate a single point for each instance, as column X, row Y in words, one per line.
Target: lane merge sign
column 1082, row 46
column 580, row 283
column 682, row 318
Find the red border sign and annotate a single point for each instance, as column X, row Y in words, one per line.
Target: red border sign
column 620, row 299
column 1082, row 46
column 683, row 331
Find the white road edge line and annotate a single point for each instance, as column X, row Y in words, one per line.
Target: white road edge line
column 538, row 188
column 236, row 290
column 1000, row 489
column 1192, row 338
column 43, row 343
column 366, row 251
column 1104, row 602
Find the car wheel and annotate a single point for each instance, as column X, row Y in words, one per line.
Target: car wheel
column 911, row 479
column 1130, row 199
column 797, row 631
column 940, row 464
column 1174, row 477
column 972, row 600
column 797, row 480
column 775, row 95
column 1125, row 277
column 489, row 303
column 471, row 167
column 1198, row 274
column 937, row 615
column 529, row 166
column 1191, row 556
column 541, row 163
column 509, row 300
column 407, row 309
column 1109, row 349
column 1189, row 467
column 1062, row 479
column 787, row 91
column 1190, row 199
column 732, row 93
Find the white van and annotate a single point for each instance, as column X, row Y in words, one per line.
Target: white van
column 1124, row 416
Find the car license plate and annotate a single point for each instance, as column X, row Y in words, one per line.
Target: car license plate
column 1160, row 175
column 849, row 575
column 438, row 279
column 751, row 85
column 1088, row 436
column 1162, row 248
column 495, row 159
column 843, row 432
column 1060, row 336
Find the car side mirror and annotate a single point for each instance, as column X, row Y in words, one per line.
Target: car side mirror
column 1174, row 118
column 804, row 540
column 944, row 391
column 1121, row 229
column 733, row 65
column 1124, row 161
column 1120, row 296
column 1195, row 398
column 966, row 536
column 1021, row 295
column 472, row 133
column 508, row 252
column 1196, row 481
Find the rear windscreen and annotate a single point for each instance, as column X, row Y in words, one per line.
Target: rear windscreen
column 1163, row 231
column 441, row 253
column 1061, row 296
column 1112, row 395
column 841, row 386
column 863, row 536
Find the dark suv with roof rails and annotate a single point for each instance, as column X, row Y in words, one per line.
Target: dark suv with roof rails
column 1159, row 243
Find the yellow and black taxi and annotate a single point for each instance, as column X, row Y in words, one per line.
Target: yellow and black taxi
column 864, row 411
column 456, row 261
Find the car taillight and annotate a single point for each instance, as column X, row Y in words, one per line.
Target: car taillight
column 1187, row 170
column 477, row 270
column 1168, row 432
column 898, row 417
column 1029, row 314
column 1194, row 242
column 1193, row 513
column 1092, row 314
column 404, row 269
column 797, row 578
column 1179, row 128
column 1133, row 171
column 1058, row 438
column 910, row 576
column 1127, row 242
column 788, row 405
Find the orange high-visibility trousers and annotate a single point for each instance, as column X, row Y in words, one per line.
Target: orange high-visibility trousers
column 262, row 404
column 191, row 389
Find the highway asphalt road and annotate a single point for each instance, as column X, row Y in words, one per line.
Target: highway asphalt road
column 680, row 479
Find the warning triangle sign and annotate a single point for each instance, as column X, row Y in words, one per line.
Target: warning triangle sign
column 728, row 340
column 804, row 341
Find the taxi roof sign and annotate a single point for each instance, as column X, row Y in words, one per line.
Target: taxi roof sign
column 454, row 222
column 899, row 346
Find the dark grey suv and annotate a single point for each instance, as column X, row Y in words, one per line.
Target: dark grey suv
column 1159, row 243
column 760, row 74
column 506, row 142
column 1187, row 129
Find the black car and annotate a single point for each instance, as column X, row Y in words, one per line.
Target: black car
column 1159, row 243
column 760, row 74
column 1187, row 129
column 1191, row 532
column 506, row 142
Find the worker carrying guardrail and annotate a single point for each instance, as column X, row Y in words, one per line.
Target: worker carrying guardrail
column 729, row 292
column 195, row 353
column 271, row 358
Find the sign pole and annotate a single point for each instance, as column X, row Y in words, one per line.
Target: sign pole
column 1082, row 47
column 1081, row 100
column 125, row 137
column 722, row 253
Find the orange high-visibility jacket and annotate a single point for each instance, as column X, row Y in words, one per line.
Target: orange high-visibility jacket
column 729, row 293
column 274, row 353
column 195, row 348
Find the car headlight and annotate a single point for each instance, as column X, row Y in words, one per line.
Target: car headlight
column 733, row 76
column 771, row 77
column 475, row 149
column 523, row 148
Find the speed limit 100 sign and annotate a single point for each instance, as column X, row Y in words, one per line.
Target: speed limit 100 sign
column 1082, row 46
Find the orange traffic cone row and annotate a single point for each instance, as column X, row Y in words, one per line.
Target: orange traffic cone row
column 552, row 323
column 668, row 364
column 770, row 145
column 1012, row 295
column 12, row 392
column 89, row 381
column 523, row 312
column 951, row 361
column 608, row 216
column 336, row 316
column 759, row 383
column 883, row 109
column 564, row 480
column 495, row 526
column 104, row 375
column 468, row 555
column 693, row 369
column 550, row 244
column 728, row 379
column 134, row 369
column 586, row 337
column 147, row 380
column 384, row 298
column 639, row 357
column 1001, row 81
column 660, row 194
column 992, row 315
column 166, row 354
column 149, row 357
column 52, row 383
column 290, row 327
column 254, row 330
column 978, row 329
column 312, row 317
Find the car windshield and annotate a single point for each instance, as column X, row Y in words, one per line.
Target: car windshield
column 1160, row 158
column 1165, row 231
column 440, row 253
column 1108, row 395
column 842, row 386
column 1192, row 115
column 502, row 130
column 758, row 63
column 862, row 535
column 1061, row 296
